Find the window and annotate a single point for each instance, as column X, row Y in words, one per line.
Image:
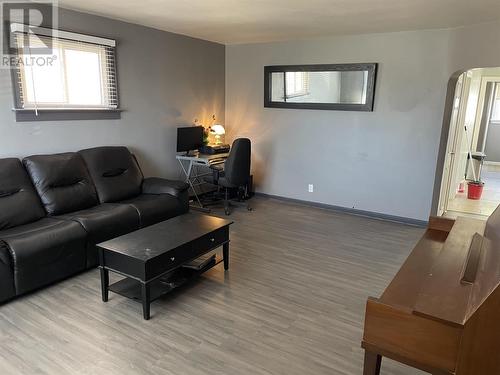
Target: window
column 296, row 84
column 79, row 74
column 495, row 115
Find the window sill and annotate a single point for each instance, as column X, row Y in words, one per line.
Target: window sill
column 57, row 114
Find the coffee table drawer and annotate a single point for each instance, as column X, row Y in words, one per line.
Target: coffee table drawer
column 210, row 241
column 198, row 247
column 168, row 261
column 176, row 257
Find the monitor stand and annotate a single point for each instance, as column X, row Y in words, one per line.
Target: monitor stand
column 191, row 153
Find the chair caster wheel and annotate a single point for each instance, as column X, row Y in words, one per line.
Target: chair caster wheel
column 249, row 209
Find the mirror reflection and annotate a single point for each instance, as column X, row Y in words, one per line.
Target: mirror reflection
column 335, row 86
column 320, row 87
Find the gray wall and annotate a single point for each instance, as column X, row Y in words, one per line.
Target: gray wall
column 492, row 144
column 475, row 47
column 165, row 80
column 489, row 132
column 492, row 148
column 383, row 161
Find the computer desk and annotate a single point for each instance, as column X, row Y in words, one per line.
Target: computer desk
column 190, row 164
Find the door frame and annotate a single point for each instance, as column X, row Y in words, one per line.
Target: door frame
column 443, row 143
column 455, row 139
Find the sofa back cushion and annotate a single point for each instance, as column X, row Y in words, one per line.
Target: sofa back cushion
column 19, row 204
column 115, row 172
column 62, row 182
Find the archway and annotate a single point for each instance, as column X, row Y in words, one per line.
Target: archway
column 468, row 141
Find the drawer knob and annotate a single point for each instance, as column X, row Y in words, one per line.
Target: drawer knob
column 212, row 239
column 172, row 259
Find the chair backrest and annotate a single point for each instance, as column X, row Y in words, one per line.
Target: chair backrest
column 62, row 182
column 19, row 204
column 115, row 172
column 237, row 166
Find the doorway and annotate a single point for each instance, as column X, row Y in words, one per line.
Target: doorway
column 471, row 172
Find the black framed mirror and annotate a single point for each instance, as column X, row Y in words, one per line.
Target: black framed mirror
column 341, row 87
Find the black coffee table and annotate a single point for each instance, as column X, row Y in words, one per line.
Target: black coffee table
column 152, row 258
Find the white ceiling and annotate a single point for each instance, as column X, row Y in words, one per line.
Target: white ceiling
column 247, row 21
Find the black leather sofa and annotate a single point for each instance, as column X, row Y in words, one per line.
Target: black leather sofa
column 55, row 208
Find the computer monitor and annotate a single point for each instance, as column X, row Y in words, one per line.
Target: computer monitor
column 190, row 138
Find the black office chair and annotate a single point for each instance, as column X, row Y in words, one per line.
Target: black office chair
column 236, row 173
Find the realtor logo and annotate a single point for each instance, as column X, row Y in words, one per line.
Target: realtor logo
column 22, row 19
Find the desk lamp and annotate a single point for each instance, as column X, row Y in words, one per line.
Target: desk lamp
column 217, row 130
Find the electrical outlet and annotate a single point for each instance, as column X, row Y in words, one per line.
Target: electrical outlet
column 311, row 188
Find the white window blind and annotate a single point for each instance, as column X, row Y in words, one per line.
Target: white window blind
column 297, row 84
column 81, row 75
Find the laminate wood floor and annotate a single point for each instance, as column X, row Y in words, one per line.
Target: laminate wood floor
column 292, row 303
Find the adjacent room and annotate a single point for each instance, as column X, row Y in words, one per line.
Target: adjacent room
column 471, row 173
column 244, row 187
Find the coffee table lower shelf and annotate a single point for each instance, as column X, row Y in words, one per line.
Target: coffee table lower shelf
column 132, row 288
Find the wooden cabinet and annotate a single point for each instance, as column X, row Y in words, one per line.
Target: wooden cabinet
column 441, row 312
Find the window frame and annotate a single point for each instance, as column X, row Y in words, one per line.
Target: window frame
column 496, row 104
column 61, row 114
column 370, row 90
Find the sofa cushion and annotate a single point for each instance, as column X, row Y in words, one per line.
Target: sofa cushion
column 115, row 173
column 19, row 204
column 155, row 208
column 44, row 251
column 104, row 222
column 62, row 182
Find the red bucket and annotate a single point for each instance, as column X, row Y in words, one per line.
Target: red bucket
column 474, row 190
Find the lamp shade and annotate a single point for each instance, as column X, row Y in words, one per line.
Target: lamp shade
column 217, row 129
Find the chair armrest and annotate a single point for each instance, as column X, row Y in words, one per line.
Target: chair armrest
column 155, row 185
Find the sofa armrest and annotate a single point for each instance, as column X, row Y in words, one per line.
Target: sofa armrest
column 7, row 289
column 155, row 185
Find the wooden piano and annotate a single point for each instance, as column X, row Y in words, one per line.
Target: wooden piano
column 441, row 313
